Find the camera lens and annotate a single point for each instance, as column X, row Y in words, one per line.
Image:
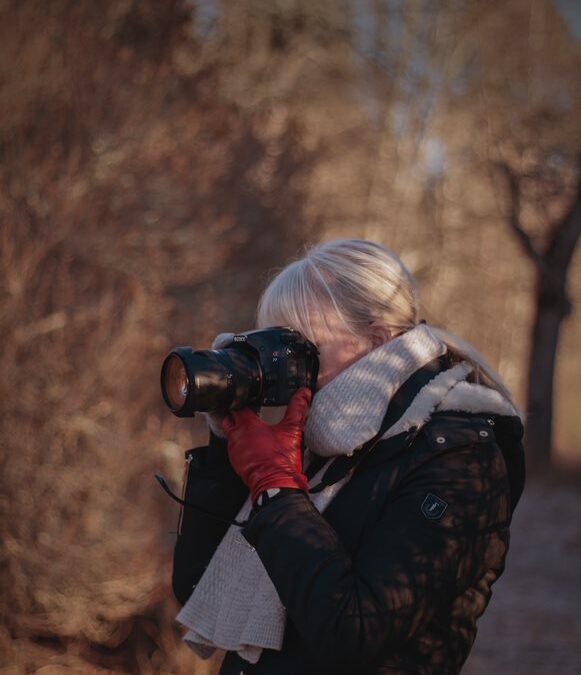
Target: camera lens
column 175, row 382
column 209, row 380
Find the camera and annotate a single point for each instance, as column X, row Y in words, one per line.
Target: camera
column 258, row 368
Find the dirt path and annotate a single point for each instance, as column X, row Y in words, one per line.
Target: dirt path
column 533, row 623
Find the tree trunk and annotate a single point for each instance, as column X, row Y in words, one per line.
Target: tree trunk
column 552, row 306
column 550, row 313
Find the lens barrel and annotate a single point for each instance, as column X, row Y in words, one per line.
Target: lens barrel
column 210, row 380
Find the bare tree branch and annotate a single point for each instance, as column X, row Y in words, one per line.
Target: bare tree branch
column 566, row 234
column 514, row 217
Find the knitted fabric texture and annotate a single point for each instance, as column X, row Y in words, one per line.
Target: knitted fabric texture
column 235, row 605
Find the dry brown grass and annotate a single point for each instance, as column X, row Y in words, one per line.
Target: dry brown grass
column 88, row 155
column 122, row 176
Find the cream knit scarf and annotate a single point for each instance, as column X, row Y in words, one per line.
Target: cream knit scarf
column 235, row 606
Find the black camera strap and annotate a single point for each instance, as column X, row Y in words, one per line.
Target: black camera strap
column 184, row 502
column 399, row 403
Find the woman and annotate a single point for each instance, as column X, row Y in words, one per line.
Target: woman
column 376, row 551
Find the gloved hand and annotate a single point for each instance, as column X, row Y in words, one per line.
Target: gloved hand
column 267, row 456
column 214, row 420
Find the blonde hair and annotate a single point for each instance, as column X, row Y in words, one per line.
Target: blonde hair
column 364, row 284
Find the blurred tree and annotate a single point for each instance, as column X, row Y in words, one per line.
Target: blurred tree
column 547, row 185
column 517, row 108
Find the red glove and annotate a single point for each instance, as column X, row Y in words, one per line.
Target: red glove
column 267, row 456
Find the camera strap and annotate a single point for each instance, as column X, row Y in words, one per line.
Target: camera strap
column 396, row 408
column 184, row 502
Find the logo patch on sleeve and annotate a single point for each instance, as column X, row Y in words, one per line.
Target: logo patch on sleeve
column 433, row 507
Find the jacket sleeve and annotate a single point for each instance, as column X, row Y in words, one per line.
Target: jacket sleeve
column 212, row 483
column 350, row 610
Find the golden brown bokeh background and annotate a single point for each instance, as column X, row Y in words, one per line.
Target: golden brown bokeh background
column 158, row 159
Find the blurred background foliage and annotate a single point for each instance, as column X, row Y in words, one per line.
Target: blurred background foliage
column 159, row 159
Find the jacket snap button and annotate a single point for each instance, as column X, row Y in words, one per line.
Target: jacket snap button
column 440, row 440
column 491, row 422
column 483, row 433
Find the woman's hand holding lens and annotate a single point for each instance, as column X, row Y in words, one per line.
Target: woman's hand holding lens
column 266, row 456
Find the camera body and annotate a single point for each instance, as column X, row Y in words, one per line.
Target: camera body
column 257, row 368
column 287, row 361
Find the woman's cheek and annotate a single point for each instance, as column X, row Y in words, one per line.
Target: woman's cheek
column 334, row 359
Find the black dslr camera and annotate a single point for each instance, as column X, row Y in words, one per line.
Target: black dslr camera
column 260, row 367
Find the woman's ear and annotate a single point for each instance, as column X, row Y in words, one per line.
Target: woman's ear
column 379, row 335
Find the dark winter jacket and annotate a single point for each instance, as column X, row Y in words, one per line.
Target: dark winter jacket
column 395, row 573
